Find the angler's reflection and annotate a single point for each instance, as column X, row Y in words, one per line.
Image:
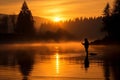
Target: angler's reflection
column 25, row 61
column 86, row 62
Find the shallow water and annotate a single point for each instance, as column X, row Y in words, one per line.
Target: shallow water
column 54, row 61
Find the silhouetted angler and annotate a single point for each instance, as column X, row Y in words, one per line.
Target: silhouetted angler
column 86, row 45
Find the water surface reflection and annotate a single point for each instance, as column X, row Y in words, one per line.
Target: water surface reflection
column 57, row 62
column 25, row 60
column 86, row 62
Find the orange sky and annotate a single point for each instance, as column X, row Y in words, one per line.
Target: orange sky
column 57, row 8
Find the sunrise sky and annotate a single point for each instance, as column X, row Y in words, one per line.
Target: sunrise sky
column 53, row 9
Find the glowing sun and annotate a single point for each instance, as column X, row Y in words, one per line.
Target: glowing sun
column 57, row 19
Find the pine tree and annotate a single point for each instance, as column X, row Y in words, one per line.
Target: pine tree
column 111, row 21
column 115, row 20
column 116, row 9
column 25, row 22
column 106, row 19
column 107, row 10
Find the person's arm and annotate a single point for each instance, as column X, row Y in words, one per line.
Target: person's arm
column 82, row 43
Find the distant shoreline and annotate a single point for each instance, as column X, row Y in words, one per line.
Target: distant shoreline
column 105, row 42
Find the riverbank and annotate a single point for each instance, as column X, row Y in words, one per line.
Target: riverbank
column 105, row 41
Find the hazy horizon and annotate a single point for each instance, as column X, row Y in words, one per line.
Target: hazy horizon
column 57, row 9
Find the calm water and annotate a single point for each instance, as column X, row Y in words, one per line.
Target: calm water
column 55, row 61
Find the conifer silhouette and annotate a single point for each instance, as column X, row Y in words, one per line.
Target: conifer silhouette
column 25, row 22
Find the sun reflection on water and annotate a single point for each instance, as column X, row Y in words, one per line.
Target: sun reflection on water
column 57, row 63
column 52, row 62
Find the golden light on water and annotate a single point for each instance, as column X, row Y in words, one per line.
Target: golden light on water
column 57, row 63
column 57, row 59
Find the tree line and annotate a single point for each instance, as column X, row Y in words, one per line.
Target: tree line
column 111, row 21
column 23, row 26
